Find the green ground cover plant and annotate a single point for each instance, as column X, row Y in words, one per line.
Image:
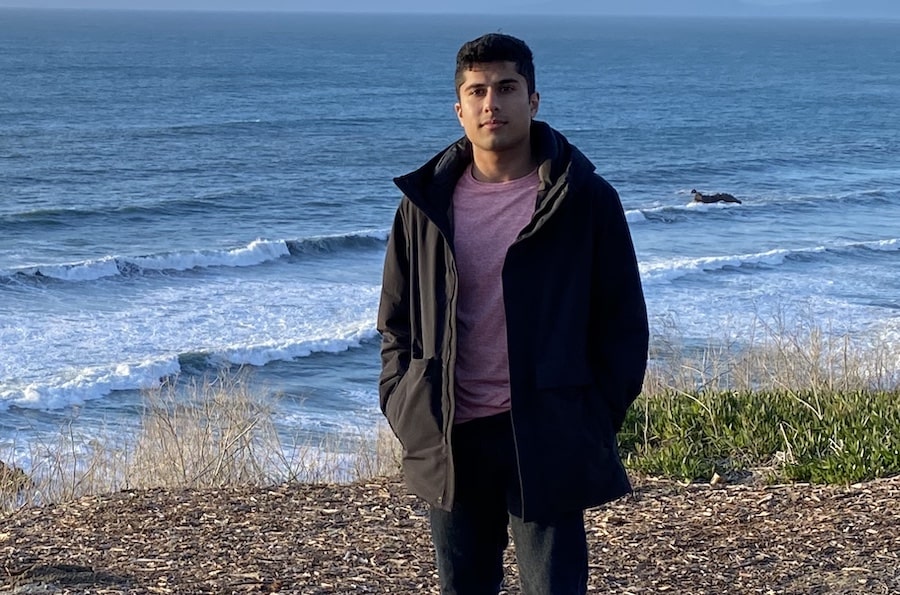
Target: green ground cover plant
column 773, row 436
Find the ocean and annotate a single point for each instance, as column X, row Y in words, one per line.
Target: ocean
column 186, row 192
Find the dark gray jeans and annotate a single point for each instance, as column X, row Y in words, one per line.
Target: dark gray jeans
column 470, row 539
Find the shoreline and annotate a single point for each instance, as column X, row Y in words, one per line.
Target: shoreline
column 372, row 537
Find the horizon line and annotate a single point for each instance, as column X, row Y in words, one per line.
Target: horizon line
column 407, row 12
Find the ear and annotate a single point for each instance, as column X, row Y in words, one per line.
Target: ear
column 459, row 115
column 535, row 101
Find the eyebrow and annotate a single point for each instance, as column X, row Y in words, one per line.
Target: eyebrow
column 500, row 82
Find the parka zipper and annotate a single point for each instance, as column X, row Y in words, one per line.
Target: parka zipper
column 449, row 387
column 533, row 226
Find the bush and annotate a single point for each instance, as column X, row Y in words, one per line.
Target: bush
column 814, row 436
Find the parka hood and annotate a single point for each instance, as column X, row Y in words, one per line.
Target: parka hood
column 431, row 186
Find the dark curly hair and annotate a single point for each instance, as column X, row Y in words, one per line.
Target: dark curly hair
column 495, row 47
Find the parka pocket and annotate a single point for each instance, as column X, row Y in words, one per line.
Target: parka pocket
column 576, row 378
column 414, row 408
column 568, row 395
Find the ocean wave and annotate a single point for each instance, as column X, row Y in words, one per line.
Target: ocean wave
column 682, row 267
column 783, row 205
column 362, row 240
column 635, row 216
column 264, row 353
column 200, row 128
column 73, row 217
column 668, row 213
column 674, row 269
column 89, row 383
column 892, row 245
column 879, row 194
column 674, row 213
column 256, row 253
column 96, row 382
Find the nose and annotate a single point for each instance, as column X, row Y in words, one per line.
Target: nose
column 490, row 101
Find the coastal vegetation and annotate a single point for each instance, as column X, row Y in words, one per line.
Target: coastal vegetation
column 779, row 405
column 779, row 402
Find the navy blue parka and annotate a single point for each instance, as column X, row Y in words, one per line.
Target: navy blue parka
column 577, row 331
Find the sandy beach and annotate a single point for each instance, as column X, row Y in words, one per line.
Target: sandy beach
column 371, row 537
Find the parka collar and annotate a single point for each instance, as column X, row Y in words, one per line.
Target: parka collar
column 431, row 186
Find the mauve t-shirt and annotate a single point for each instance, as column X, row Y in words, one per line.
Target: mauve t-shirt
column 487, row 218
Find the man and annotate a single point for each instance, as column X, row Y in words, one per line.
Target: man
column 514, row 335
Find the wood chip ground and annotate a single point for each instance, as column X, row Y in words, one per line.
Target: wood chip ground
column 372, row 537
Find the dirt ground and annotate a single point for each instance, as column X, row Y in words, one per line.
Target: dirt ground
column 372, row 537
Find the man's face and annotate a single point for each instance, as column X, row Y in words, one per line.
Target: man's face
column 495, row 108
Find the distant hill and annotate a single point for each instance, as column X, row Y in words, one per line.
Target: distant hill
column 854, row 8
column 756, row 8
column 715, row 8
column 829, row 8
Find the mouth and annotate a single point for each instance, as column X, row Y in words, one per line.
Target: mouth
column 492, row 124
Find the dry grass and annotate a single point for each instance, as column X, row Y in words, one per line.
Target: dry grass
column 777, row 354
column 220, row 433
column 208, row 434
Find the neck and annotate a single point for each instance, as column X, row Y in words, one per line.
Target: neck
column 502, row 167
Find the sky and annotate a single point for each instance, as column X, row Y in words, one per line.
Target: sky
column 813, row 8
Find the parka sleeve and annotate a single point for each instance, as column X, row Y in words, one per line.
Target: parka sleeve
column 393, row 312
column 620, row 330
